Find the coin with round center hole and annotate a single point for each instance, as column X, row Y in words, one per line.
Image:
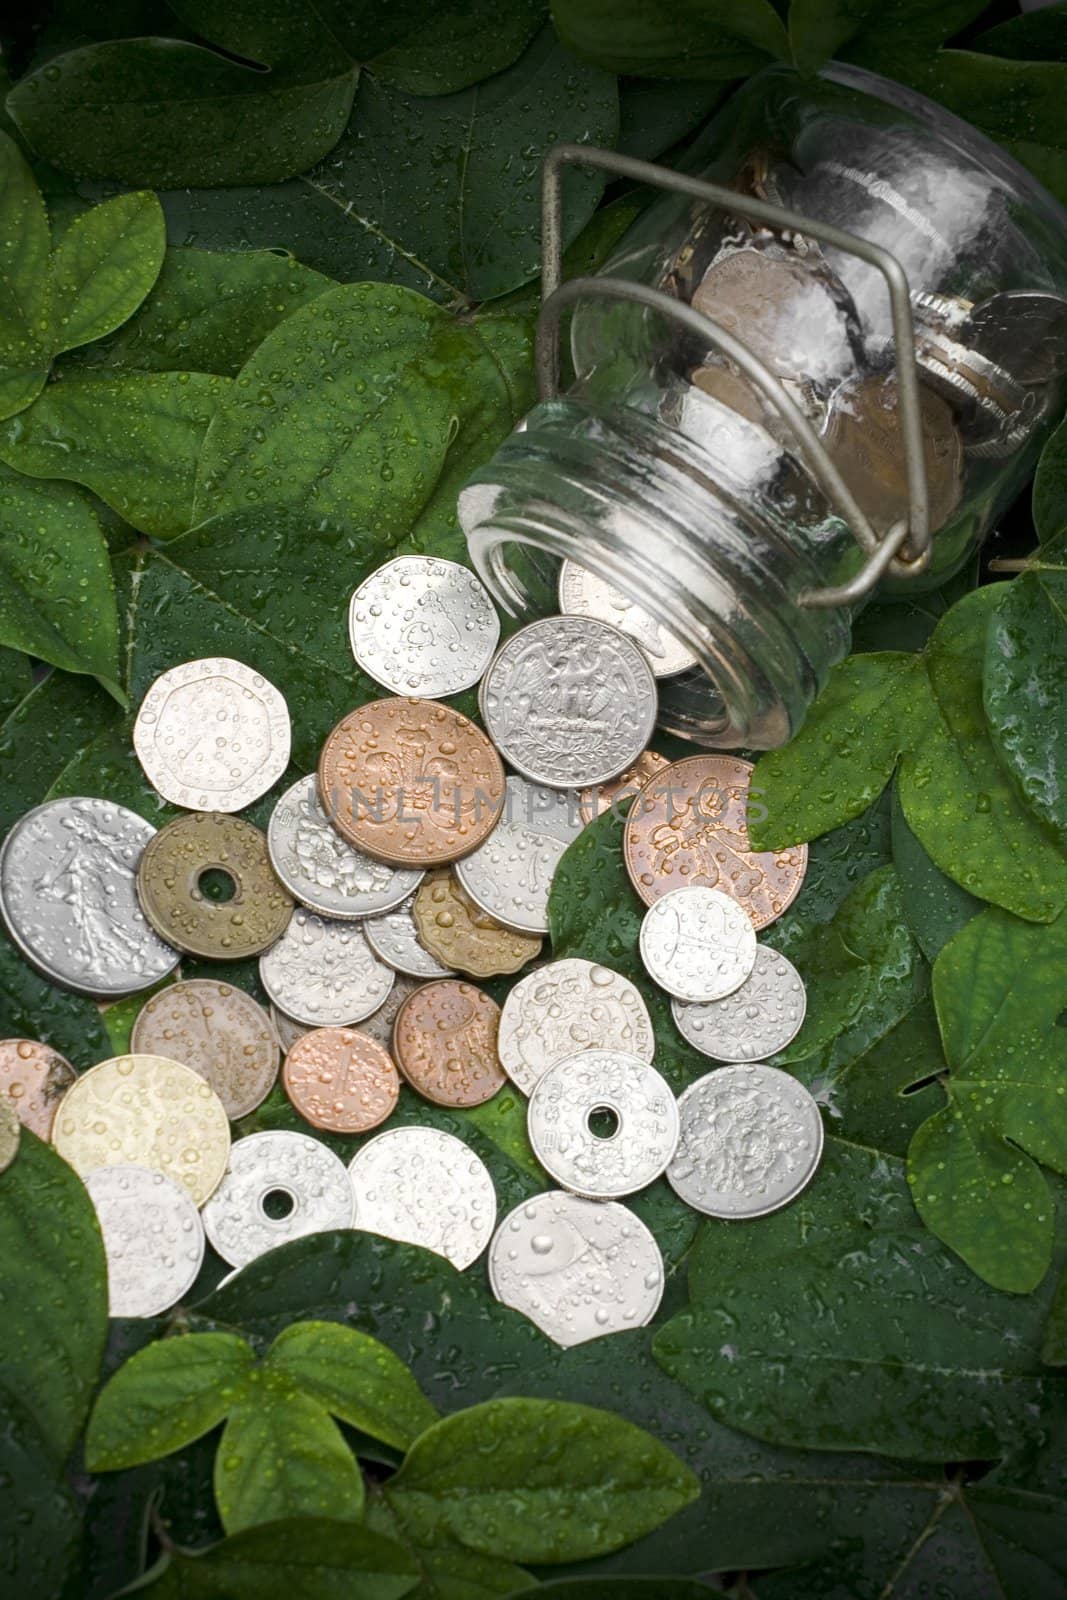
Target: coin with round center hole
column 634, row 1102
column 278, row 1186
column 173, row 880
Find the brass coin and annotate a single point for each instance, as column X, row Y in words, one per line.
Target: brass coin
column 689, row 827
column 340, row 1079
column 790, row 314
column 863, row 439
column 593, row 803
column 146, row 1111
column 169, row 878
column 445, row 1043
column 10, row 1133
column 219, row 1031
column 34, row 1078
column 411, row 782
column 453, row 929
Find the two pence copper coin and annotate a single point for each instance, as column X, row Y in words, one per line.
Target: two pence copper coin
column 34, row 1078
column 341, row 1079
column 445, row 1043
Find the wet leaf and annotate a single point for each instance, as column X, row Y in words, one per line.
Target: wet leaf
column 24, row 313
column 998, row 988
column 1054, row 1349
column 164, row 1397
column 304, row 1558
column 935, row 907
column 53, row 1287
column 16, row 680
column 871, row 33
column 57, row 598
column 448, row 1571
column 628, row 1589
column 653, row 115
column 539, row 1480
column 440, row 49
column 1050, row 487
column 103, row 267
column 660, row 41
column 42, row 1523
column 356, row 1378
column 1025, row 684
column 841, row 1322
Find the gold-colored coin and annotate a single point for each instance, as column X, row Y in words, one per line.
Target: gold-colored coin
column 453, row 929
column 864, row 442
column 146, row 1111
column 170, row 884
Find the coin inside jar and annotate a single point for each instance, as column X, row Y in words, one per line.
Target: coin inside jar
column 411, row 782
column 33, row 1079
column 863, row 439
column 220, row 1032
column 174, row 874
column 341, row 1079
column 464, row 938
column 583, row 594
column 445, row 1043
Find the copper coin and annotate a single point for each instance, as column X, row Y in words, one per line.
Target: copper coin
column 863, row 439
column 790, row 315
column 169, row 884
column 219, row 1031
column 690, row 827
column 411, row 782
column 461, row 936
column 445, row 1043
column 34, row 1078
column 340, row 1079
column 593, row 803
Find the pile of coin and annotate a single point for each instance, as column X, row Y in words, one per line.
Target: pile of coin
column 409, row 864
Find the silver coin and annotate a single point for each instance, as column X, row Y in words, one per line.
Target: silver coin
column 423, row 627
column 583, row 594
column 68, row 893
column 509, row 876
column 212, row 735
column 379, row 1025
column 566, row 1007
column 756, row 1021
column 269, row 1171
column 579, row 1269
column 698, row 944
column 323, row 972
column 569, row 701
column 421, row 1186
column 286, row 1028
column 218, row 1031
column 751, row 1138
column 395, row 940
column 153, row 1238
column 1023, row 330
column 323, row 871
column 561, row 1114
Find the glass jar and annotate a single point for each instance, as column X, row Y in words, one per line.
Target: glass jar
column 664, row 490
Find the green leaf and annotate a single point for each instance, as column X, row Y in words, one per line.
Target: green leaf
column 24, row 245
column 1035, row 36
column 355, row 1377
column 659, row 40
column 57, row 599
column 164, row 1397
column 1054, row 1349
column 628, row 1589
column 305, row 1558
column 53, row 1287
column 837, row 862
column 844, row 754
column 208, row 312
column 998, row 988
column 874, row 35
column 102, row 268
column 935, row 907
column 447, row 1570
column 281, row 1456
column 840, row 1322
column 535, row 1480
column 16, row 680
column 33, row 1008
column 655, row 115
column 161, row 112
column 1050, row 487
column 443, row 48
column 132, row 439
column 1025, row 684
column 42, row 1523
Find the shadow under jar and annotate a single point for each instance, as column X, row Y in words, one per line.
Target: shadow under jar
column 665, row 471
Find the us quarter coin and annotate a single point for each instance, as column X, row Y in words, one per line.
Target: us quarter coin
column 395, row 940
column 33, row 1080
column 69, row 898
column 324, row 972
column 321, row 870
column 278, row 1186
column 751, row 1138
column 566, row 1007
column 583, row 594
column 757, row 1020
column 422, row 1186
column 422, row 626
column 639, row 1110
column 145, row 1111
column 569, row 701
column 212, row 735
column 153, row 1239
column 510, row 875
column 578, row 1269
column 698, row 944
column 219, row 1031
